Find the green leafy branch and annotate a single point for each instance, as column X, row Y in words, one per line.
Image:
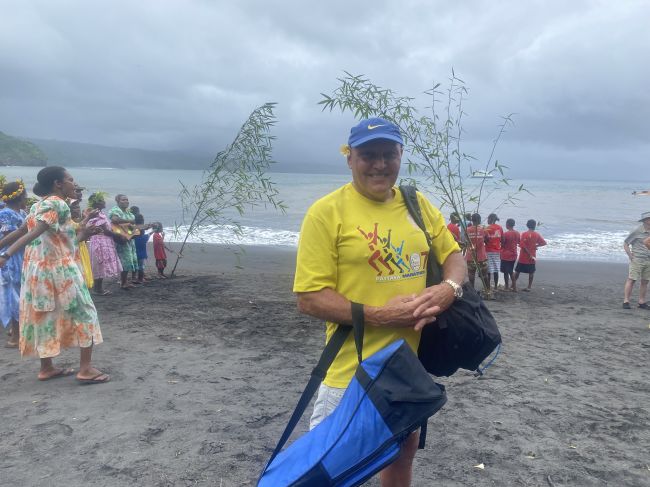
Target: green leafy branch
column 235, row 182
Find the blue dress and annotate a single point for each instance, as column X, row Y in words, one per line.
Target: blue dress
column 10, row 220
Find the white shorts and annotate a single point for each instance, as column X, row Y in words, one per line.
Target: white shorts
column 493, row 262
column 326, row 401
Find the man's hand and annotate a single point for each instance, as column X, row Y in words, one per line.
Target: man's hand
column 396, row 313
column 434, row 300
column 412, row 311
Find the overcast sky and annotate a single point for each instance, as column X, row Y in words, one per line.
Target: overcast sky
column 184, row 75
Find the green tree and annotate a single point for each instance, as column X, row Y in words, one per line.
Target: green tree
column 234, row 182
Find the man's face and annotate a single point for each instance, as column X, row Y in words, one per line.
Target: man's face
column 646, row 223
column 375, row 167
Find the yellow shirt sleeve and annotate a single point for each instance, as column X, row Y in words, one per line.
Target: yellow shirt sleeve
column 317, row 258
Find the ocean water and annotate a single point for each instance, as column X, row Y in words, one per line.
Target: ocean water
column 580, row 220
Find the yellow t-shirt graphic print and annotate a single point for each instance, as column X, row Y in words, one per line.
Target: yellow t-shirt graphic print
column 386, row 258
column 369, row 252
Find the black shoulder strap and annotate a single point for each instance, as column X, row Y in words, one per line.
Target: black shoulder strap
column 318, row 374
column 409, row 193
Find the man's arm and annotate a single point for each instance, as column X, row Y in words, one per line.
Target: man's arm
column 628, row 251
column 329, row 305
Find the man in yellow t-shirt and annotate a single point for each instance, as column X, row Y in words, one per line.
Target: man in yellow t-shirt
column 359, row 244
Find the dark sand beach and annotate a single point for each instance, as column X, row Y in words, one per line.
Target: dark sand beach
column 207, row 367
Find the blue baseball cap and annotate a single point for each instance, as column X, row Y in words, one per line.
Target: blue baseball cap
column 372, row 129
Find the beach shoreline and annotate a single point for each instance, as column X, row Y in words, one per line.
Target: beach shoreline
column 207, row 367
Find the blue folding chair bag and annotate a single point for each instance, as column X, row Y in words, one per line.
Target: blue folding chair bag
column 390, row 396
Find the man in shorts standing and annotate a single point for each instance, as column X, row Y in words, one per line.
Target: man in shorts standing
column 494, row 233
column 509, row 254
column 344, row 256
column 639, row 256
column 529, row 242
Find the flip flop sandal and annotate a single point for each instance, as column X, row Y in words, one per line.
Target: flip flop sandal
column 95, row 380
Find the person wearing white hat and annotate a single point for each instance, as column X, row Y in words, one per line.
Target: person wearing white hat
column 639, row 254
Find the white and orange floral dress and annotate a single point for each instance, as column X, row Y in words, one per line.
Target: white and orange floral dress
column 56, row 310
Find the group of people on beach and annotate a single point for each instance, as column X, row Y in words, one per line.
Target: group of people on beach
column 488, row 250
column 53, row 257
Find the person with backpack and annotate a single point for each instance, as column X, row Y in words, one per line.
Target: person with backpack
column 351, row 243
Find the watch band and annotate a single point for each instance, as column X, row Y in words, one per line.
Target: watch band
column 458, row 289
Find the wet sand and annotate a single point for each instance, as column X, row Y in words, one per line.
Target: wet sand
column 207, row 367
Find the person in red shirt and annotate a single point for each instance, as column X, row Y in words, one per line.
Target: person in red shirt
column 453, row 226
column 494, row 239
column 159, row 250
column 509, row 254
column 476, row 256
column 529, row 242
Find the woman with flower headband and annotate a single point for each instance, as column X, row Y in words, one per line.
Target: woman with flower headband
column 12, row 217
column 104, row 260
column 56, row 310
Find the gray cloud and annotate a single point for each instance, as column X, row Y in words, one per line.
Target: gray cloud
column 185, row 74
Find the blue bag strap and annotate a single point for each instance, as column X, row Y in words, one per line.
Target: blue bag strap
column 318, row 373
column 358, row 321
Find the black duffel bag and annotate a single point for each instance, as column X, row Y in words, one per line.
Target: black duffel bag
column 463, row 335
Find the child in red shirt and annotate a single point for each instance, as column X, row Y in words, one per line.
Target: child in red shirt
column 529, row 241
column 159, row 249
column 509, row 254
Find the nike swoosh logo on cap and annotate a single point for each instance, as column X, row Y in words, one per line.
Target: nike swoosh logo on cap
column 373, row 127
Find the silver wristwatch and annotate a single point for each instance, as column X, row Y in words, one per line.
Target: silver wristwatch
column 458, row 289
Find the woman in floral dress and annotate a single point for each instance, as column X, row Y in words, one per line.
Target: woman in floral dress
column 103, row 257
column 121, row 214
column 12, row 217
column 56, row 310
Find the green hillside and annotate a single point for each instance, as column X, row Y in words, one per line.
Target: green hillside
column 17, row 152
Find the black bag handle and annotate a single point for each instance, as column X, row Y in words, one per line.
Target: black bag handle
column 318, row 373
column 434, row 271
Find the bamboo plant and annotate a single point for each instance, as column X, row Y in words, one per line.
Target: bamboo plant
column 235, row 182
